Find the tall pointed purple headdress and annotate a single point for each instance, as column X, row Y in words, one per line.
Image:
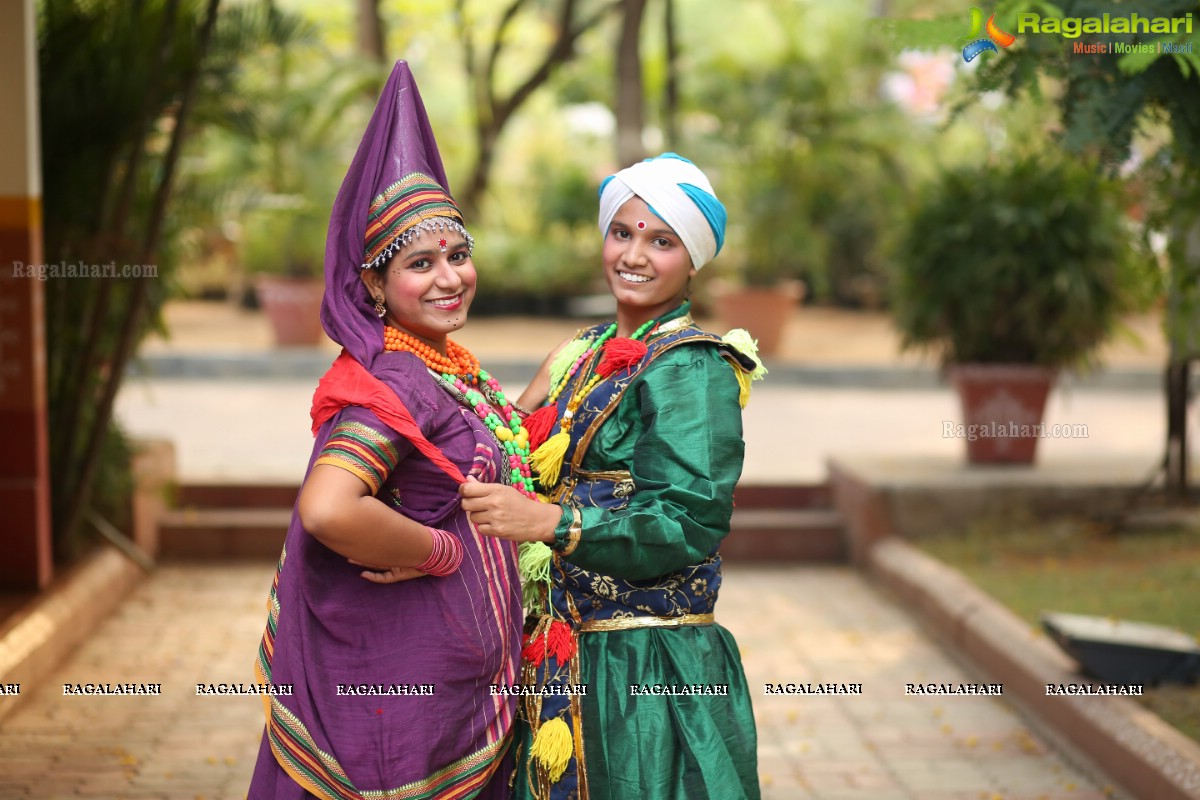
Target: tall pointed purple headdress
column 395, row 187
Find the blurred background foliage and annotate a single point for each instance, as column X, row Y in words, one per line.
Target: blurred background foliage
column 817, row 136
column 820, row 136
column 123, row 86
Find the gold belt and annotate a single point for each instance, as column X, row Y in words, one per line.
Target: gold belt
column 632, row 623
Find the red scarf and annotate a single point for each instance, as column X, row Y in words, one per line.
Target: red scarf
column 347, row 383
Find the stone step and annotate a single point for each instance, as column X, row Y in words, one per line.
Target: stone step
column 236, row 495
column 191, row 534
column 243, row 495
column 798, row 495
column 794, row 535
column 240, row 521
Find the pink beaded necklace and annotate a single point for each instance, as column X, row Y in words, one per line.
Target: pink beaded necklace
column 508, row 430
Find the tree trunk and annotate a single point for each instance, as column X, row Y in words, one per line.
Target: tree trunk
column 630, row 94
column 1177, row 448
column 1183, row 327
column 671, row 87
column 491, row 111
column 372, row 35
column 486, row 134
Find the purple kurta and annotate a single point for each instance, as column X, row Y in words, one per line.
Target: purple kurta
column 362, row 657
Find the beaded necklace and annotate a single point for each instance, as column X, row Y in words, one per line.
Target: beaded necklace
column 593, row 346
column 508, row 429
column 548, row 457
column 457, row 361
column 459, row 372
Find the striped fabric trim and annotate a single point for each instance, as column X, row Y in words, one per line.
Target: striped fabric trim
column 318, row 772
column 361, row 450
column 500, row 592
column 266, row 649
column 412, row 199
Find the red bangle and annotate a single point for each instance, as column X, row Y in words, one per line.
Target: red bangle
column 446, row 555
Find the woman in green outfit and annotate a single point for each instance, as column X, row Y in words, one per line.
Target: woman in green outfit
column 629, row 688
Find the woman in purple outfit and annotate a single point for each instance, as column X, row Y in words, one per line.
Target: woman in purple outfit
column 380, row 688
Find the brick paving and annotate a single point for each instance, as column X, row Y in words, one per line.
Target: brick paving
column 190, row 624
column 184, row 625
column 826, row 625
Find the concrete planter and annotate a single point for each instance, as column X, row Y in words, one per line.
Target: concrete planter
column 1003, row 406
column 764, row 311
column 293, row 305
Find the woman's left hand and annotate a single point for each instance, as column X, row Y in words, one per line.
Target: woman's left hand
column 503, row 512
column 382, row 575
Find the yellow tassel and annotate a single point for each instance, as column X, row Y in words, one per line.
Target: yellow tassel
column 552, row 746
column 743, row 379
column 548, row 458
column 740, row 339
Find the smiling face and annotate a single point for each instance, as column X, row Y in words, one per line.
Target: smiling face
column 645, row 263
column 427, row 292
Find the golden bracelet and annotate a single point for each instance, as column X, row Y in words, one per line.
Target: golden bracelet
column 574, row 532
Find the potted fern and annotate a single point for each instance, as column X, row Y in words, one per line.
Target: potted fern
column 1012, row 272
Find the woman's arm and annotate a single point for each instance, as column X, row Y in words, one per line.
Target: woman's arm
column 685, row 464
column 538, row 390
column 337, row 508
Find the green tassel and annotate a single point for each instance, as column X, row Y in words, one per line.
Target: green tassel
column 565, row 358
column 533, row 562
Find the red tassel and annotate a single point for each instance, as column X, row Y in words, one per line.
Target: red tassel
column 558, row 640
column 539, row 424
column 619, row 354
column 561, row 641
column 534, row 651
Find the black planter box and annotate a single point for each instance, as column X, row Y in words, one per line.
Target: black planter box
column 1123, row 652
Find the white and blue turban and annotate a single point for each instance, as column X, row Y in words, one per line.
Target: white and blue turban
column 678, row 193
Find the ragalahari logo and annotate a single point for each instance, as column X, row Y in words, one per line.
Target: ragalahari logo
column 977, row 42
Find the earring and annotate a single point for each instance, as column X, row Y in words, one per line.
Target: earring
column 380, row 308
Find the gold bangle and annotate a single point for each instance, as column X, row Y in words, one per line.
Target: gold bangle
column 574, row 532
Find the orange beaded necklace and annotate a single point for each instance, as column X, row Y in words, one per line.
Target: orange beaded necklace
column 457, row 361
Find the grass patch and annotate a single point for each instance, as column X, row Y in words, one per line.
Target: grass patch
column 1077, row 567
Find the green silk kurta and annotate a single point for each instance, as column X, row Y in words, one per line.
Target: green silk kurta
column 677, row 432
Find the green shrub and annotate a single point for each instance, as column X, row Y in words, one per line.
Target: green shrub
column 1028, row 261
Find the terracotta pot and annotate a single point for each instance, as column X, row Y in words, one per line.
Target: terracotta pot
column 293, row 305
column 761, row 310
column 1003, row 406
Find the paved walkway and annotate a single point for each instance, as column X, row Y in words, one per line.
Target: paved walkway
column 201, row 624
